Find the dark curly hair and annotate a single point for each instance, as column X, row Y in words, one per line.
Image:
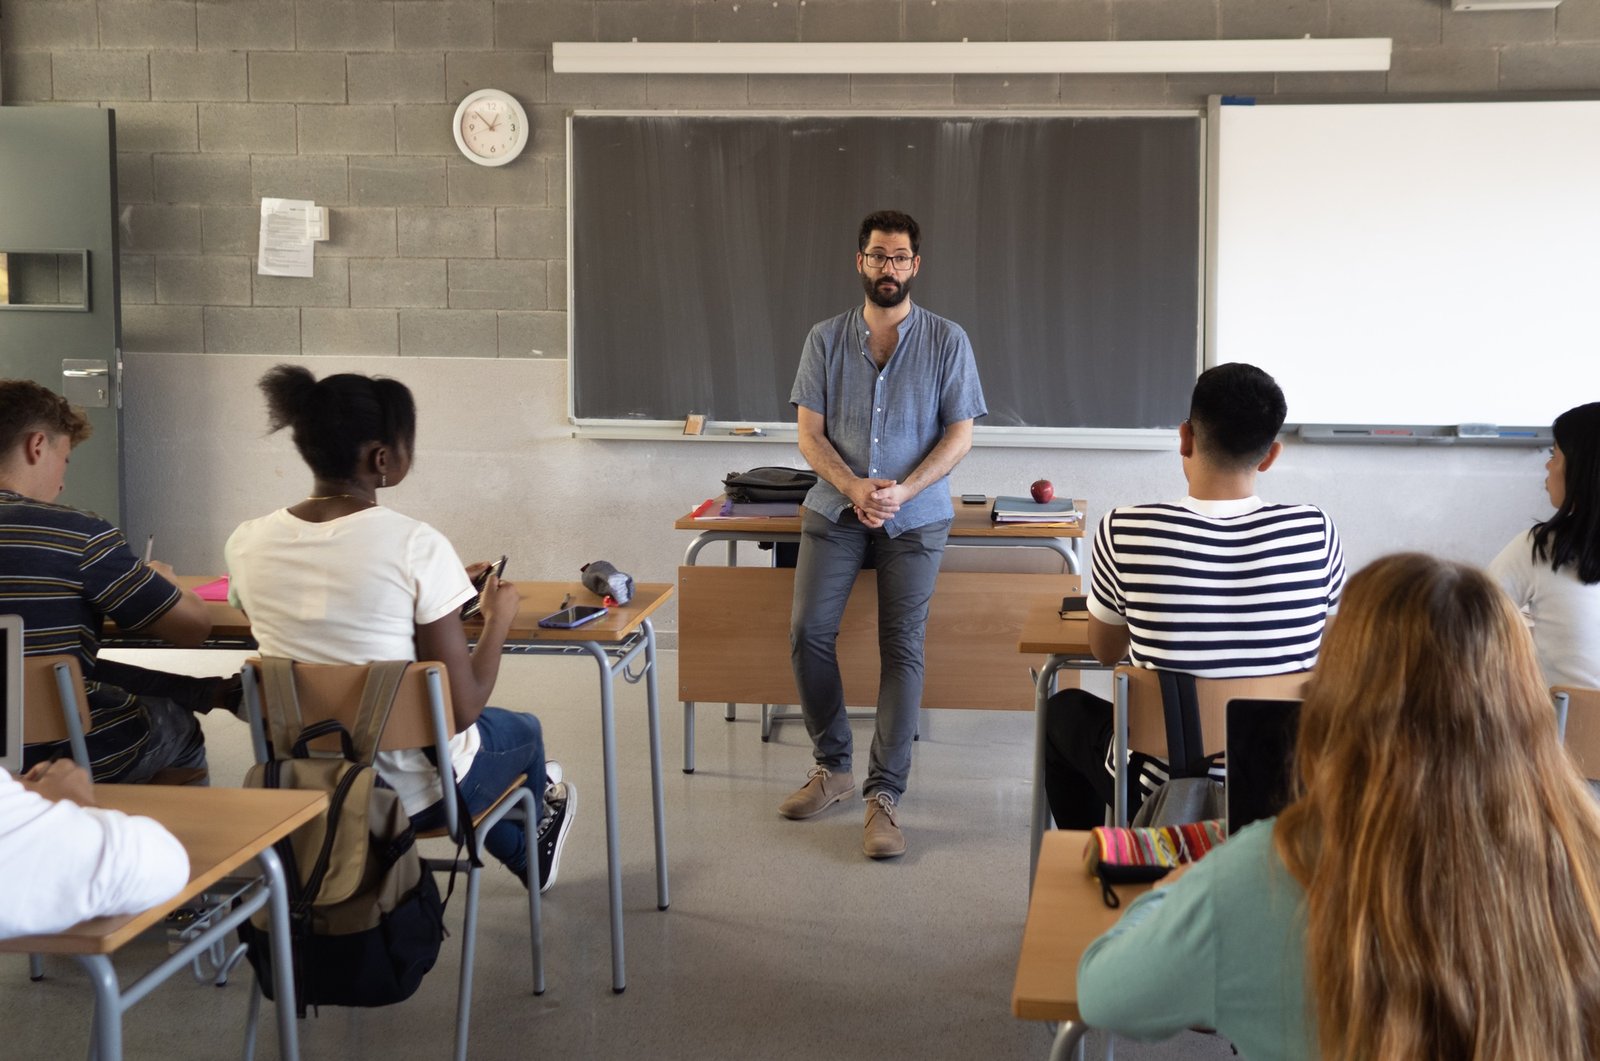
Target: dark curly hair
column 332, row 418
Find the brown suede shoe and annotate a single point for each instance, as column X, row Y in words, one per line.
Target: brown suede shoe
column 823, row 788
column 882, row 838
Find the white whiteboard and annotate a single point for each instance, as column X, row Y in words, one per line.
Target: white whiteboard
column 1410, row 263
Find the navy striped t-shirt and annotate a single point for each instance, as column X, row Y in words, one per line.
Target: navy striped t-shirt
column 1218, row 589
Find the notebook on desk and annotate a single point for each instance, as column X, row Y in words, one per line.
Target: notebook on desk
column 1259, row 741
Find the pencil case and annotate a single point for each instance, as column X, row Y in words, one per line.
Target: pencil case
column 1142, row 855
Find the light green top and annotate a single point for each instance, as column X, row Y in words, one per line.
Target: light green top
column 1222, row 948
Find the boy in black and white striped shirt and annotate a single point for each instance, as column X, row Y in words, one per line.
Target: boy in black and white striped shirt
column 1218, row 585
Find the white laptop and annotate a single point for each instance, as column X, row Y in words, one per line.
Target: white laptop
column 11, row 689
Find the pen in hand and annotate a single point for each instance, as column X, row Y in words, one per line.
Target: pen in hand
column 149, row 548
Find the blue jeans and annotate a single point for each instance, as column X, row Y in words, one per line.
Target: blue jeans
column 831, row 555
column 512, row 743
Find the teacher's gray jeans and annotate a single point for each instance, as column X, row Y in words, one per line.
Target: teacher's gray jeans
column 831, row 555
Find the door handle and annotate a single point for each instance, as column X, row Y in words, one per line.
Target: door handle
column 84, row 373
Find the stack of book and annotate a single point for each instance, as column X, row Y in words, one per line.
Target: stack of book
column 1061, row 512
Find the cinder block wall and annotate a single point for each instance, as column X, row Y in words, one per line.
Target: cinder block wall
column 221, row 102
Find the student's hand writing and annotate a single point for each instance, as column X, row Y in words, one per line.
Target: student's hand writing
column 498, row 602
column 61, row 779
column 164, row 570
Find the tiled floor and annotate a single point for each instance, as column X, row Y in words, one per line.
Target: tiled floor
column 782, row 941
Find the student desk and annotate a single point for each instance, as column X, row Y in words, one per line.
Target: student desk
column 733, row 628
column 221, row 829
column 615, row 642
column 1065, row 915
column 1065, row 644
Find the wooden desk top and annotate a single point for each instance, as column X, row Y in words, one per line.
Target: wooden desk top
column 220, row 828
column 1043, row 630
column 1065, row 915
column 539, row 599
column 971, row 521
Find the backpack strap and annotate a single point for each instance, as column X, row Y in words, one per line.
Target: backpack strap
column 377, row 701
column 284, row 720
column 1180, row 702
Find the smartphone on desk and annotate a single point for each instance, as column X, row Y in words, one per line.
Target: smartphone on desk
column 577, row 615
column 1075, row 607
column 474, row 607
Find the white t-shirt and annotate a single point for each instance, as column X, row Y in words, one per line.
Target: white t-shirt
column 64, row 863
column 352, row 590
column 1566, row 613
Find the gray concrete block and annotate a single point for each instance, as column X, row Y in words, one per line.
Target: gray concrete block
column 747, row 20
column 1113, row 90
column 210, row 280
column 1060, row 20
column 450, row 232
column 1254, row 19
column 596, row 90
column 491, row 284
column 25, row 77
column 1494, row 28
column 360, row 232
column 1163, row 20
column 336, row 26
column 230, row 229
column 549, row 132
column 202, row 179
column 449, row 333
column 1578, row 20
column 402, row 181
column 895, row 90
column 519, row 183
column 367, row 129
column 697, row 90
column 297, row 77
column 135, row 178
column 520, row 73
column 1444, row 70
column 250, row 128
column 1410, row 23
column 445, row 24
column 397, row 77
column 412, row 283
column 1007, row 89
column 1334, row 83
column 556, row 183
column 424, row 129
column 137, row 273
column 530, row 232
column 533, row 334
column 162, row 329
column 238, row 26
column 955, row 20
column 556, row 285
column 249, row 330
column 325, row 181
column 328, row 285
column 101, row 75
column 159, row 229
column 50, row 25
column 199, row 76
column 1192, row 89
column 849, row 20
column 1565, row 67
column 156, row 127
column 367, row 332
column 811, row 90
column 531, row 27
column 147, row 25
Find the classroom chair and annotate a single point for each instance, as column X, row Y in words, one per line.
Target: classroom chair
column 1139, row 721
column 420, row 718
column 1578, row 712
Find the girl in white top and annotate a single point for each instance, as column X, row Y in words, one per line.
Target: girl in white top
column 1553, row 571
column 336, row 578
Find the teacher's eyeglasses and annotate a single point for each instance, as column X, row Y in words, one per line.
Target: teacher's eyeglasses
column 899, row 263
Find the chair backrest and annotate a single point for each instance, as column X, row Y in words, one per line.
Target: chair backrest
column 1583, row 726
column 52, row 689
column 1147, row 725
column 333, row 691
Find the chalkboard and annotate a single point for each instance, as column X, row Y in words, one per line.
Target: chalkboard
column 703, row 248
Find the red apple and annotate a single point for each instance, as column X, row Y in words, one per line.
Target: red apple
column 1042, row 490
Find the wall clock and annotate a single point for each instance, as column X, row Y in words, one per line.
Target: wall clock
column 491, row 127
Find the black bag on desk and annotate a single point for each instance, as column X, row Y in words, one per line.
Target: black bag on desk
column 769, row 484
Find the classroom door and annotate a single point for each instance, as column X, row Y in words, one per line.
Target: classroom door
column 60, row 311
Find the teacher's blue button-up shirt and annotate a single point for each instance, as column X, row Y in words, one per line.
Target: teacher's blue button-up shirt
column 885, row 422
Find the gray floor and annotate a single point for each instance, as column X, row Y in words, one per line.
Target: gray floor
column 782, row 941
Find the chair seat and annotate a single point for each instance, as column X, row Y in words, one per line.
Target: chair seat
column 477, row 819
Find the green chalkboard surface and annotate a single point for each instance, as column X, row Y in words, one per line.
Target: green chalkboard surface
column 705, row 246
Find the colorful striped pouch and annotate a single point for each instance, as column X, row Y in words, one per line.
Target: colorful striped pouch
column 1138, row 856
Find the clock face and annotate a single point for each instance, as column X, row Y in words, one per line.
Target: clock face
column 491, row 127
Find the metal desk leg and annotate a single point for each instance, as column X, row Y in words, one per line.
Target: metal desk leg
column 1043, row 689
column 1069, row 1041
column 653, row 705
column 733, row 561
column 608, row 743
column 105, row 1043
column 688, row 736
column 282, row 959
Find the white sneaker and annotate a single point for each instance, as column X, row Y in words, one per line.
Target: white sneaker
column 552, row 773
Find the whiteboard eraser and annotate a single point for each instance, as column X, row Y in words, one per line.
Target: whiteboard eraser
column 1478, row 431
